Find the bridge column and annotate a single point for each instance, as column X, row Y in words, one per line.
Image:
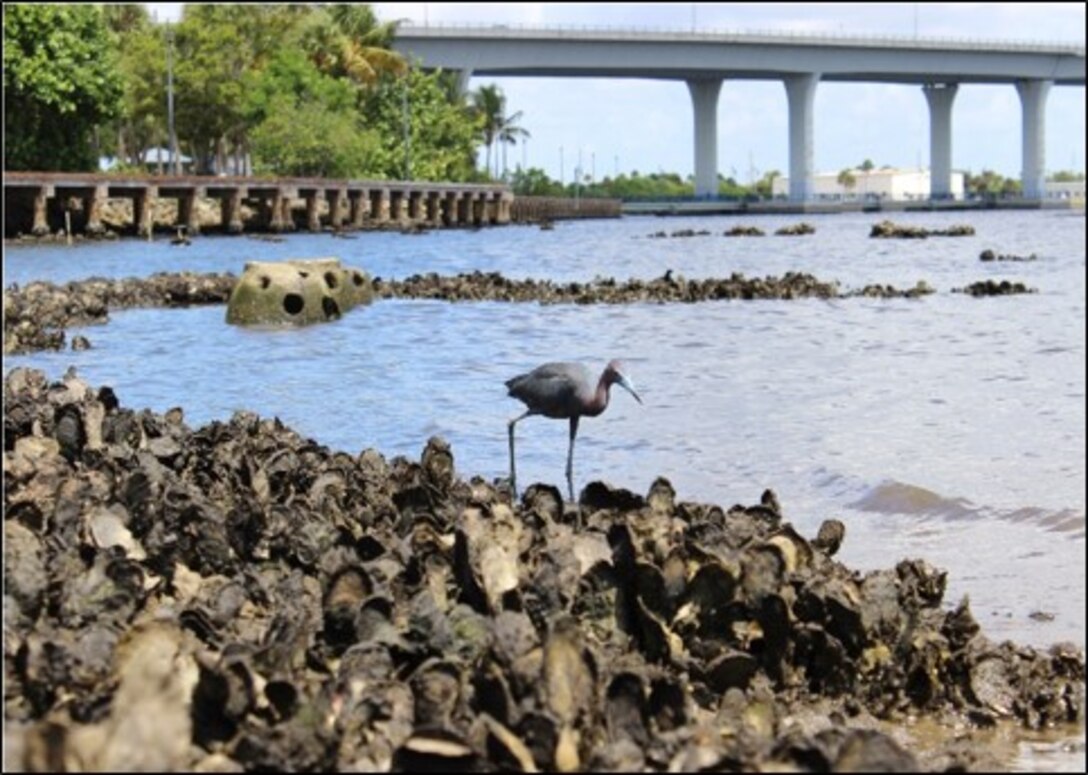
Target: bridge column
column 187, row 210
column 275, row 211
column 92, row 207
column 801, row 94
column 143, row 210
column 1033, row 104
column 463, row 77
column 506, row 200
column 479, row 209
column 449, row 205
column 939, row 97
column 338, row 201
column 434, row 210
column 232, row 210
column 280, row 217
column 385, row 206
column 41, row 220
column 704, row 100
column 313, row 218
column 360, row 207
column 464, row 208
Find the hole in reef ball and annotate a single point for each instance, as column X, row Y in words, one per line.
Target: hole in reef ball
column 292, row 303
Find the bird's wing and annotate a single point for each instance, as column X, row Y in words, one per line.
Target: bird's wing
column 552, row 389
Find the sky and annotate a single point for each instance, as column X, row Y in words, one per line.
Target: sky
column 618, row 126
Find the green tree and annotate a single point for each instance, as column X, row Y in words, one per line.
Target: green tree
column 304, row 122
column 509, row 134
column 348, row 41
column 440, row 132
column 764, row 187
column 489, row 107
column 60, row 82
column 142, row 65
column 847, row 179
column 217, row 47
column 211, row 61
column 534, row 182
column 867, row 166
column 990, row 183
column 728, row 187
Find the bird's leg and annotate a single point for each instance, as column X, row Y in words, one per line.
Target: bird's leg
column 570, row 456
column 513, row 472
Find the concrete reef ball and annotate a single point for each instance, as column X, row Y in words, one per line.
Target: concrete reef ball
column 296, row 291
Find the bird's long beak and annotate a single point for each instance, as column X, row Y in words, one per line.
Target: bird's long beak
column 628, row 386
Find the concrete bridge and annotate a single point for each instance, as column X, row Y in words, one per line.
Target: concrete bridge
column 799, row 61
column 31, row 197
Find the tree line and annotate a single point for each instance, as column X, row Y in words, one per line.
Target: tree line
column 294, row 90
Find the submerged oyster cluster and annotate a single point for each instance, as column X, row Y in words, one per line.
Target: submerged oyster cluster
column 890, row 230
column 35, row 316
column 239, row 597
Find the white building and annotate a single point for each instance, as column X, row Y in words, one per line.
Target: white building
column 1066, row 189
column 888, row 183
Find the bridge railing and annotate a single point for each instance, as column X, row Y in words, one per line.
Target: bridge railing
column 751, row 36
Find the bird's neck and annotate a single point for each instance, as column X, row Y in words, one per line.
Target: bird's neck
column 600, row 398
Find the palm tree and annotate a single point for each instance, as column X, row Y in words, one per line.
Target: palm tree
column 509, row 134
column 489, row 104
column 847, row 179
column 349, row 41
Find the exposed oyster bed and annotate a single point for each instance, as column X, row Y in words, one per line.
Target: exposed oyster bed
column 891, row 230
column 36, row 314
column 239, row 597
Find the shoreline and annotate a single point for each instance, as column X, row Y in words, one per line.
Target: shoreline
column 277, row 574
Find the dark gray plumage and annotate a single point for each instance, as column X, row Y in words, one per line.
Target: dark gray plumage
column 563, row 390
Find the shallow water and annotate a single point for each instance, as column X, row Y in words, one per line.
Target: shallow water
column 949, row 428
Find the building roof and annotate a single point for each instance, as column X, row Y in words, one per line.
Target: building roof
column 157, row 154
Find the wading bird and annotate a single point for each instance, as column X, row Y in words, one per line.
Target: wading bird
column 563, row 390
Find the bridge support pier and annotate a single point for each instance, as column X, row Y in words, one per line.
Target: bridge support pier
column 187, row 210
column 40, row 226
column 449, row 207
column 313, row 218
column 939, row 97
column 381, row 206
column 92, row 208
column 143, row 210
column 278, row 211
column 704, row 100
column 463, row 77
column 506, row 199
column 1033, row 96
column 801, row 94
column 415, row 209
column 359, row 207
column 338, row 205
column 479, row 209
column 231, row 204
column 434, row 209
